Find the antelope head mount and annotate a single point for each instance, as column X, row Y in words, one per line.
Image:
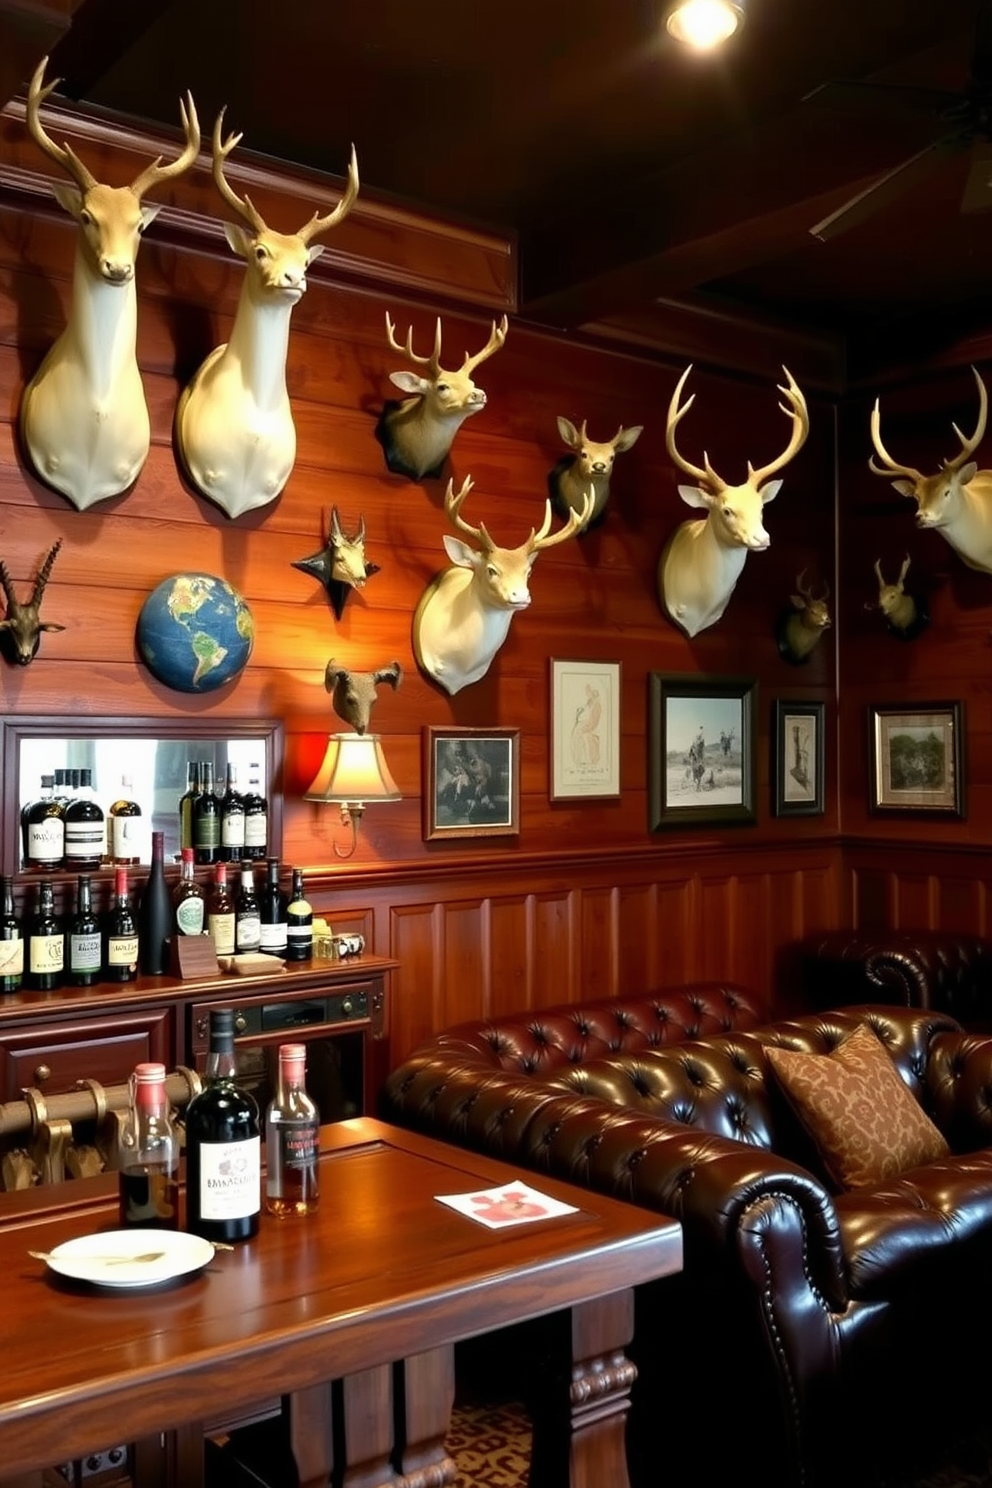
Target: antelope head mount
column 416, row 434
column 702, row 560
column 957, row 501
column 20, row 630
column 234, row 428
column 340, row 565
column 83, row 417
column 588, row 469
column 464, row 615
column 905, row 614
column 801, row 628
column 353, row 694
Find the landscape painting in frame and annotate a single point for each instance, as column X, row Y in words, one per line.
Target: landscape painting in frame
column 915, row 755
column 701, row 749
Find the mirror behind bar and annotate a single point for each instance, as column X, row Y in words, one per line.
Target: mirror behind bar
column 152, row 752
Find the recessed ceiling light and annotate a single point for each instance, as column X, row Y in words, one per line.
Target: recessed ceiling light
column 704, row 24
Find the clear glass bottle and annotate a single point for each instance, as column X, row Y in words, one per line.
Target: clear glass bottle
column 44, row 831
column 148, row 1177
column 11, row 943
column 272, row 914
column 124, row 828
column 85, row 949
column 220, row 913
column 85, row 827
column 122, row 933
column 232, row 819
column 299, row 922
column 256, row 817
column 206, row 819
column 155, row 914
column 186, row 803
column 223, row 1145
column 189, row 902
column 292, row 1140
column 46, row 944
column 247, row 918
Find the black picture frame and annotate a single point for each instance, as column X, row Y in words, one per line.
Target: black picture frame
column 723, row 710
column 471, row 782
column 916, row 759
column 798, row 755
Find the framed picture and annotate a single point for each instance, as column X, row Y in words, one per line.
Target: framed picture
column 797, row 759
column 701, row 762
column 915, row 756
column 585, row 729
column 471, row 783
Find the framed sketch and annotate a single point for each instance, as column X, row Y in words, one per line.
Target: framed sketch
column 585, row 729
column 471, row 783
column 701, row 761
column 915, row 756
column 797, row 759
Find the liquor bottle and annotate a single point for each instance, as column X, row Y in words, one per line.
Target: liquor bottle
column 11, row 943
column 256, row 817
column 122, row 934
column 206, row 819
column 85, row 827
column 272, row 914
column 125, row 828
column 186, row 803
column 189, row 902
column 44, row 846
column 299, row 922
column 155, row 914
column 46, row 944
column 223, row 1146
column 232, row 819
column 292, row 1140
column 148, row 1177
column 220, row 914
column 247, row 919
column 85, row 948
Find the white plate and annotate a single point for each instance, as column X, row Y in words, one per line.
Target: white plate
column 106, row 1258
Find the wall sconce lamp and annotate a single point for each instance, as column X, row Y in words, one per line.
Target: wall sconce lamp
column 704, row 24
column 353, row 773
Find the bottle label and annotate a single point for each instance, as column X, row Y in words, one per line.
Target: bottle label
column 206, row 831
column 46, row 840
column 85, row 839
column 122, row 950
column 232, row 829
column 221, row 927
column 249, row 932
column 85, row 952
column 46, row 953
column 272, row 937
column 126, row 837
column 11, row 957
column 230, row 1179
column 256, row 829
column 189, row 915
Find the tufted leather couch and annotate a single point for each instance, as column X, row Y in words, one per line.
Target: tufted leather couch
column 814, row 1337
column 937, row 969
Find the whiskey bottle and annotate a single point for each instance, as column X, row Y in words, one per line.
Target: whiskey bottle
column 85, row 941
column 122, row 934
column 11, row 943
column 292, row 1140
column 148, row 1177
column 247, row 919
column 299, row 922
column 45, row 831
column 46, row 944
column 125, row 828
column 189, row 903
column 220, row 914
column 85, row 827
column 223, row 1145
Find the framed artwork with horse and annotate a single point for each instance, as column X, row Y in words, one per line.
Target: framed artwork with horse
column 471, row 783
column 701, row 749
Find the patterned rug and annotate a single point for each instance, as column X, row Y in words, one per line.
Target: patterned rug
column 490, row 1445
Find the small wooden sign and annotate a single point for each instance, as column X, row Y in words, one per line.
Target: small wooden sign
column 193, row 956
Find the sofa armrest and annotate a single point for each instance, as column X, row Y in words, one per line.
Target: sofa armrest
column 959, row 1088
column 930, row 969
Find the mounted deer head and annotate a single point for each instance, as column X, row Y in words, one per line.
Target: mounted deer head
column 801, row 628
column 234, row 427
column 464, row 615
column 20, row 631
column 957, row 501
column 340, row 565
column 588, row 469
column 416, row 435
column 83, row 417
column 354, row 693
column 905, row 614
column 702, row 560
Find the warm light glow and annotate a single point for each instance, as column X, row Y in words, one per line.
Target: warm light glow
column 704, row 24
column 354, row 771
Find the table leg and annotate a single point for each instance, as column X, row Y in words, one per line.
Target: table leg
column 427, row 1394
column 310, row 1435
column 367, row 1416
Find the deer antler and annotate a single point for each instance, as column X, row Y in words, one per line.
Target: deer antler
column 969, row 446
column 794, row 408
column 576, row 521
column 497, row 336
column 706, row 476
column 64, row 155
column 888, row 466
column 156, row 171
column 432, row 362
column 318, row 224
column 453, row 508
column 242, row 205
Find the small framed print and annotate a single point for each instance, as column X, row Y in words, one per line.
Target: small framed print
column 915, row 756
column 585, row 730
column 798, row 747
column 471, row 783
column 701, row 761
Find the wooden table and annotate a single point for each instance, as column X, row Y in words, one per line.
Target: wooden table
column 372, row 1293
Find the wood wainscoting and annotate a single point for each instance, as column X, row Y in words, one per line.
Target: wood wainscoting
column 917, row 886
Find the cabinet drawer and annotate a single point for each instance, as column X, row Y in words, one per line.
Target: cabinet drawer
column 54, row 1056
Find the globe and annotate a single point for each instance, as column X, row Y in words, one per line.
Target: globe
column 195, row 632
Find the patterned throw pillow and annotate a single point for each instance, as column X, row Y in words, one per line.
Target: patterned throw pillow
column 865, row 1122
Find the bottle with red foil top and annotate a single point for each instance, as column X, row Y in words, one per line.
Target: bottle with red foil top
column 292, row 1140
column 148, row 1178
column 121, row 960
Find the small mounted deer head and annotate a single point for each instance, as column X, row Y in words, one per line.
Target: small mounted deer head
column 20, row 632
column 340, row 565
column 801, row 628
column 905, row 614
column 588, row 469
column 353, row 693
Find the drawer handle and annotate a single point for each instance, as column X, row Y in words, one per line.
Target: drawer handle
column 42, row 1073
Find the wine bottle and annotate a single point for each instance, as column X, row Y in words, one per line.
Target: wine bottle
column 11, row 943
column 232, row 819
column 186, row 804
column 223, row 1146
column 256, row 817
column 85, row 827
column 292, row 1140
column 46, row 944
column 272, row 914
column 148, row 1176
column 125, row 828
column 155, row 914
column 247, row 919
column 45, row 831
column 189, row 902
column 47, row 792
column 206, row 819
column 122, row 933
column 299, row 922
column 220, row 914
column 85, row 941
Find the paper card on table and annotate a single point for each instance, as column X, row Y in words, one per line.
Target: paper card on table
column 510, row 1204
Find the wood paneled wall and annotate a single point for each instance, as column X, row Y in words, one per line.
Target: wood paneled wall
column 586, row 897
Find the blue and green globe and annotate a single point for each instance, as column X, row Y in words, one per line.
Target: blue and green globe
column 195, row 632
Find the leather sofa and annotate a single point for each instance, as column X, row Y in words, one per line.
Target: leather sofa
column 815, row 1336
column 936, row 969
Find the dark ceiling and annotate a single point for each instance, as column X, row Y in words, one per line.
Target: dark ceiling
column 630, row 170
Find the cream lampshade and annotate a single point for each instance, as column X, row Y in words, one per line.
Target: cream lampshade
column 354, row 772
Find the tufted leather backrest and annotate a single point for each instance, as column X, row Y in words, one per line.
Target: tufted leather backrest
column 936, row 969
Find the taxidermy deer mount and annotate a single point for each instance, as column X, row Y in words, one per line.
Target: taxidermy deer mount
column 234, row 427
column 20, row 631
column 905, row 614
column 800, row 629
column 353, row 694
column 83, row 417
column 416, row 435
column 587, row 469
column 340, row 565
